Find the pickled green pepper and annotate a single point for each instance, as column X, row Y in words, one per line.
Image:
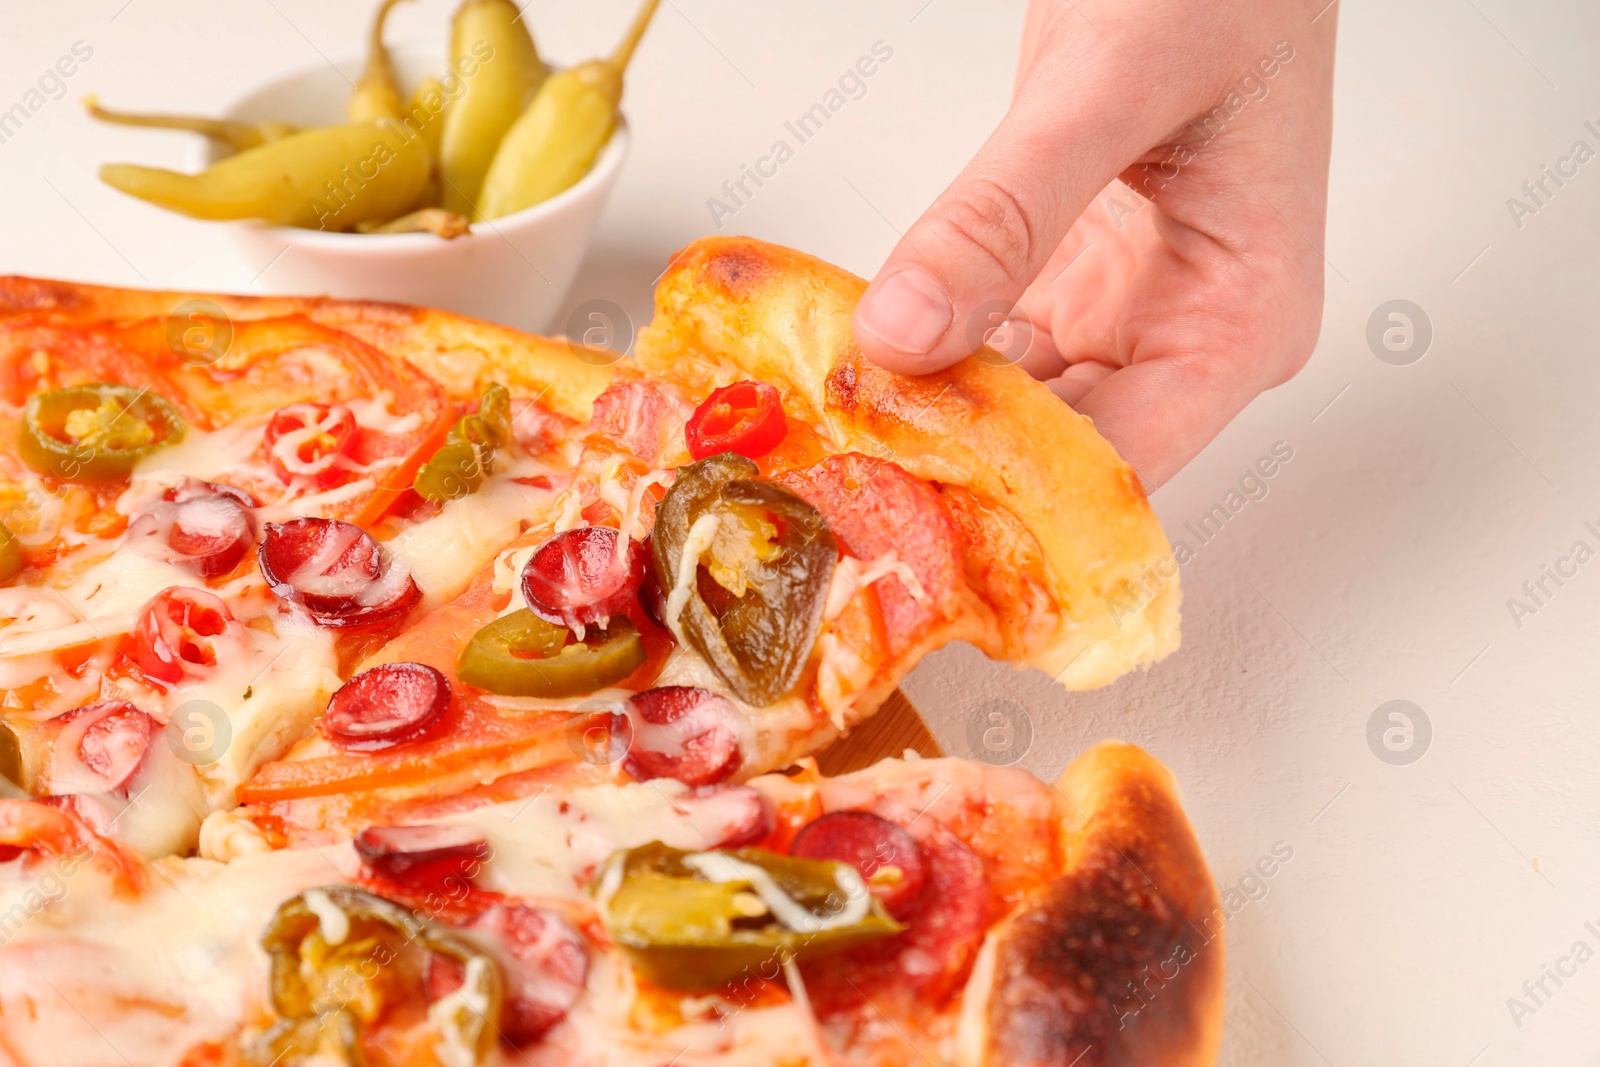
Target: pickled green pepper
column 376, row 96
column 556, row 140
column 490, row 39
column 236, row 135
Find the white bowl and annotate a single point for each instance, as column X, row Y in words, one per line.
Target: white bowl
column 514, row 270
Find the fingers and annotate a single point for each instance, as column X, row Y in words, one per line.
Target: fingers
column 1081, row 115
column 1159, row 415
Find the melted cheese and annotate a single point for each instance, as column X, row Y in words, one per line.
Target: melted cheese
column 447, row 551
column 182, row 963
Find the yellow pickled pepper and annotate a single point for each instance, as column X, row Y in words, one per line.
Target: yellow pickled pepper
column 375, row 96
column 556, row 140
column 489, row 38
column 331, row 179
column 236, row 135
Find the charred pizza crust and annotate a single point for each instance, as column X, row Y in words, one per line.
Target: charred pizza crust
column 1119, row 959
column 731, row 307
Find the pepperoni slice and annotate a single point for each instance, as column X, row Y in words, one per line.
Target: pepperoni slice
column 108, row 741
column 683, row 732
column 204, row 526
column 309, row 441
column 179, row 632
column 546, row 967
column 579, row 577
column 432, row 854
column 740, row 815
column 945, row 925
column 336, row 571
column 385, row 706
column 871, row 844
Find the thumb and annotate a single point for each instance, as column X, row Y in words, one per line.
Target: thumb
column 1077, row 122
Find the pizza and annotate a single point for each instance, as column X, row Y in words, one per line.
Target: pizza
column 918, row 911
column 285, row 582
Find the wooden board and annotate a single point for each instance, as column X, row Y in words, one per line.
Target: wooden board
column 896, row 727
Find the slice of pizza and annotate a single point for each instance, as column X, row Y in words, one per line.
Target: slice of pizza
column 762, row 534
column 919, row 911
column 207, row 518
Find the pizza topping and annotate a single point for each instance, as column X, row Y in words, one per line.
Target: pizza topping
column 521, row 654
column 12, row 559
column 886, row 856
column 546, row 967
column 748, row 564
column 310, row 441
column 100, row 748
column 583, row 576
column 683, row 732
column 95, row 432
column 342, row 958
column 179, row 632
column 336, row 572
column 468, row 453
column 430, row 854
column 696, row 920
column 204, row 526
column 744, row 816
column 745, row 417
column 386, row 705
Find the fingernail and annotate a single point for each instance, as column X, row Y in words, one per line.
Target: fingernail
column 907, row 311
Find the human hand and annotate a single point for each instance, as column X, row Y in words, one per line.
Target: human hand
column 1159, row 311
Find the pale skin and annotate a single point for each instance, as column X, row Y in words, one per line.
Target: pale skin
column 1153, row 204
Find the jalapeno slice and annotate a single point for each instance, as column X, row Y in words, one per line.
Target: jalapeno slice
column 522, row 655
column 697, row 920
column 95, row 432
column 763, row 558
column 11, row 558
column 467, row 455
column 341, row 957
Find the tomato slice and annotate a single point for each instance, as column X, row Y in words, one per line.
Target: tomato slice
column 307, row 440
column 745, row 417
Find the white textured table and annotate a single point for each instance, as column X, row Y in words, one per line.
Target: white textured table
column 1420, row 896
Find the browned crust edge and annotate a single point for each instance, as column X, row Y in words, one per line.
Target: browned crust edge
column 462, row 354
column 736, row 307
column 1119, row 960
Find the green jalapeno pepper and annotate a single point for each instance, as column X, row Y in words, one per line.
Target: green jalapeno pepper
column 694, row 921
column 467, row 455
column 521, row 654
column 95, row 432
column 11, row 558
column 754, row 606
column 326, row 985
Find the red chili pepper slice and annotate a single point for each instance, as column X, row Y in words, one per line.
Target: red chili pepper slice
column 868, row 843
column 577, row 577
column 745, row 417
column 336, row 571
column 385, row 706
column 687, row 733
column 178, row 632
column 308, row 440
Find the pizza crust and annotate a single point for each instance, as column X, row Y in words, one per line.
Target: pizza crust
column 1119, row 959
column 461, row 354
column 736, row 307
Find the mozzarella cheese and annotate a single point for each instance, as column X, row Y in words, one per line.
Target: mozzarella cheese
column 181, row 963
